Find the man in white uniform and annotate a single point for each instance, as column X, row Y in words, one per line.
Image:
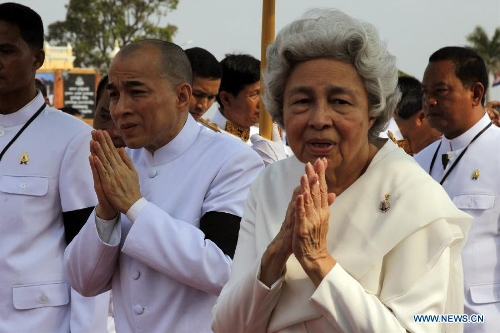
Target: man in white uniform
column 466, row 161
column 181, row 195
column 207, row 74
column 239, row 96
column 46, row 191
column 239, row 107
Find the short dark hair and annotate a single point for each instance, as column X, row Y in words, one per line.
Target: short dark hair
column 40, row 86
column 238, row 70
column 411, row 103
column 174, row 63
column 405, row 85
column 203, row 63
column 70, row 110
column 101, row 89
column 26, row 19
column 469, row 66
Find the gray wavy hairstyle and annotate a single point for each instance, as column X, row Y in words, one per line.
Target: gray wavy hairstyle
column 329, row 33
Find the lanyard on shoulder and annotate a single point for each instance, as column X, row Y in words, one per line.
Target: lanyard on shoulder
column 22, row 130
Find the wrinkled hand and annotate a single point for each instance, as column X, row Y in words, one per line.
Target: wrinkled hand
column 280, row 249
column 493, row 112
column 115, row 179
column 312, row 212
column 283, row 240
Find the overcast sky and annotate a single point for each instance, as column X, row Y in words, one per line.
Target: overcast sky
column 413, row 29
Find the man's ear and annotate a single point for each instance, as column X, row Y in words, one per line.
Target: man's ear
column 224, row 99
column 419, row 117
column 184, row 91
column 38, row 58
column 478, row 91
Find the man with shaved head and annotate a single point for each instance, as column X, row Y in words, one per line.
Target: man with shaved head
column 163, row 234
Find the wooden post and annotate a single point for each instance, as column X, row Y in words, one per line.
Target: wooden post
column 268, row 17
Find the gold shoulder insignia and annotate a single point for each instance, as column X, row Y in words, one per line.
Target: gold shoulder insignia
column 209, row 125
column 405, row 144
column 391, row 136
column 240, row 132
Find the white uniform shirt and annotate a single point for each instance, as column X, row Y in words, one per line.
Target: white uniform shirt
column 269, row 150
column 34, row 293
column 164, row 274
column 474, row 187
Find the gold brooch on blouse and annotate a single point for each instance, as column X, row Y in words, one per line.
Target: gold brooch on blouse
column 475, row 174
column 385, row 204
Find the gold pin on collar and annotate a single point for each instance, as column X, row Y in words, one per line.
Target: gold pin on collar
column 24, row 158
column 385, row 204
column 475, row 174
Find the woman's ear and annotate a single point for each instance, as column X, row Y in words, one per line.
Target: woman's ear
column 371, row 121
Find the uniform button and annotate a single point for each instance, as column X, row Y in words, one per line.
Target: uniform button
column 43, row 298
column 135, row 275
column 152, row 173
column 2, row 132
column 138, row 309
column 23, row 185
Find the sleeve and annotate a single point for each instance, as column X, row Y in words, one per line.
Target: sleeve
column 343, row 301
column 231, row 314
column 269, row 150
column 76, row 184
column 91, row 262
column 169, row 245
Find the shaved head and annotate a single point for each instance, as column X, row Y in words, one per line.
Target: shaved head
column 173, row 61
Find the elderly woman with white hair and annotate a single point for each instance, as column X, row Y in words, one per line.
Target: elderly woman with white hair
column 367, row 239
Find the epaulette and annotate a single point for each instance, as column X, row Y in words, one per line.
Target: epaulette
column 209, row 125
column 240, row 132
column 405, row 144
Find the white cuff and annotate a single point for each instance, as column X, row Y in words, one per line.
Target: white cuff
column 105, row 229
column 135, row 209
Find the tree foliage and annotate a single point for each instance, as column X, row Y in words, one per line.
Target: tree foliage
column 93, row 26
column 488, row 49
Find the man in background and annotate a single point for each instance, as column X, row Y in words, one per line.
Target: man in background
column 405, row 84
column 207, row 75
column 466, row 162
column 46, row 191
column 415, row 130
column 102, row 117
column 239, row 96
